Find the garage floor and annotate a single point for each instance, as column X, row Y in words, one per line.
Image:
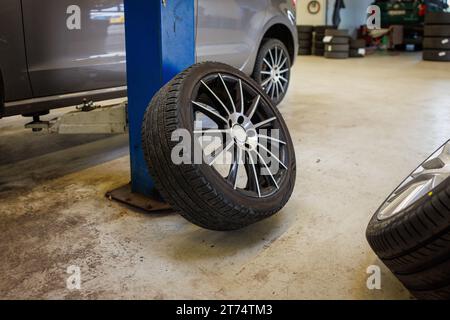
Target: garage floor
column 359, row 127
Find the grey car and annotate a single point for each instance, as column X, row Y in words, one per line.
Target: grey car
column 58, row 53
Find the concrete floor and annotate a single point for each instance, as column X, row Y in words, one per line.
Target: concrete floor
column 359, row 127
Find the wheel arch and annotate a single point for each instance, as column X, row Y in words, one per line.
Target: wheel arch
column 283, row 33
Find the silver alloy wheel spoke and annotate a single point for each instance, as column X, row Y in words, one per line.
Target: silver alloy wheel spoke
column 281, row 57
column 271, row 58
column 268, row 64
column 228, row 147
column 228, row 92
column 211, row 131
column 254, row 173
column 254, row 106
column 209, row 110
column 242, row 96
column 256, row 126
column 215, row 96
column 270, row 138
column 239, row 157
column 281, row 86
column 275, row 157
column 269, row 87
column 267, row 167
column 266, row 82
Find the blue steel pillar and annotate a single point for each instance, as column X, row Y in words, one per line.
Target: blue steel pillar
column 160, row 43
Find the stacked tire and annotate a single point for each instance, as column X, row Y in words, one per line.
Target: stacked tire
column 357, row 48
column 436, row 43
column 318, row 45
column 305, row 38
column 337, row 44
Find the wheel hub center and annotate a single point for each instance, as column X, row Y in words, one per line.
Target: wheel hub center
column 276, row 73
column 239, row 133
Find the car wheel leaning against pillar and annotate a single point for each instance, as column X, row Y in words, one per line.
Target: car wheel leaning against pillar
column 246, row 170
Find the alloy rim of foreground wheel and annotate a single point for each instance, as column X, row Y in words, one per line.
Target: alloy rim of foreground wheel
column 274, row 73
column 421, row 182
column 237, row 112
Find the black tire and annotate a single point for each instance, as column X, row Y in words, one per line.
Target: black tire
column 319, row 52
column 304, row 51
column 437, row 18
column 336, row 55
column 198, row 191
column 336, row 33
column 337, row 47
column 415, row 243
column 357, row 44
column 354, row 53
column 437, row 31
column 319, row 45
column 436, row 43
column 302, row 36
column 269, row 44
column 321, row 29
column 305, row 29
column 319, row 37
column 436, row 55
column 305, row 44
column 338, row 40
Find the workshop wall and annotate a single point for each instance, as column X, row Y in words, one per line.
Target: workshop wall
column 353, row 16
column 306, row 18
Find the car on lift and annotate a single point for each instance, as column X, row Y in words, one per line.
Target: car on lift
column 59, row 53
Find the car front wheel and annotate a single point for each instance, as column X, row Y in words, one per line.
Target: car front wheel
column 273, row 69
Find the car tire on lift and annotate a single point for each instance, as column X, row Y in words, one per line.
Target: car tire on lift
column 436, row 55
column 413, row 241
column 198, row 191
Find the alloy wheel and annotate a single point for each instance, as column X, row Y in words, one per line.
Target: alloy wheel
column 249, row 132
column 275, row 73
column 421, row 182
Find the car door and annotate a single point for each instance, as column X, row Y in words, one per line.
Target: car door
column 229, row 31
column 13, row 63
column 74, row 45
